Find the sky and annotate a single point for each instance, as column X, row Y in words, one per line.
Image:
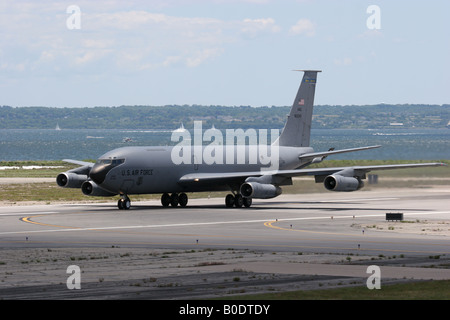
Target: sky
column 222, row 52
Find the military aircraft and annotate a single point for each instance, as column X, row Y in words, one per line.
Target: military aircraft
column 244, row 170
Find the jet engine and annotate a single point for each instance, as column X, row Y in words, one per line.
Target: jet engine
column 70, row 179
column 259, row 190
column 341, row 183
column 90, row 188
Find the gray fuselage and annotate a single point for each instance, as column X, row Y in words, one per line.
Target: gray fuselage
column 143, row 170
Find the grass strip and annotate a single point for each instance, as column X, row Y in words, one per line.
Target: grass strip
column 421, row 290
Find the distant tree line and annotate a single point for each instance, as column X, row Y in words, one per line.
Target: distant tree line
column 171, row 117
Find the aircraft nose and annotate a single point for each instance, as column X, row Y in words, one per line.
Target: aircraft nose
column 98, row 173
column 102, row 167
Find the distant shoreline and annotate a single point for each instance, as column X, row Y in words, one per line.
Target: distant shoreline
column 380, row 116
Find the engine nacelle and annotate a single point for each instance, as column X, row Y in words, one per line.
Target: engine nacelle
column 341, row 183
column 90, row 188
column 259, row 190
column 70, row 180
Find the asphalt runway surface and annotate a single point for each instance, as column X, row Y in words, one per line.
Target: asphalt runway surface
column 308, row 225
column 311, row 222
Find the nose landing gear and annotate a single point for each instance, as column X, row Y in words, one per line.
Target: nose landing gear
column 124, row 203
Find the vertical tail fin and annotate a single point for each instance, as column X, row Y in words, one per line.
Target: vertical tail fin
column 296, row 131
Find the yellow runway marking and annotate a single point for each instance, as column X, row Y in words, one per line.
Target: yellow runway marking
column 28, row 220
column 269, row 224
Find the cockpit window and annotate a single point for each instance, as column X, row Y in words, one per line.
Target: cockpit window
column 114, row 162
column 104, row 161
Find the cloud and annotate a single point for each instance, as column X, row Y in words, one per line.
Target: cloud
column 255, row 27
column 303, row 27
column 201, row 56
column 343, row 61
column 115, row 37
column 370, row 34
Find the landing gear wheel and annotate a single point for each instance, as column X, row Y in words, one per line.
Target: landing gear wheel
column 174, row 200
column 238, row 201
column 229, row 200
column 183, row 199
column 247, row 202
column 124, row 203
column 165, row 200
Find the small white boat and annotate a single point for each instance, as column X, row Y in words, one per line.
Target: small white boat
column 180, row 129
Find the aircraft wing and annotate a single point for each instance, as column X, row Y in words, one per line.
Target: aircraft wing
column 357, row 170
column 233, row 176
column 80, row 163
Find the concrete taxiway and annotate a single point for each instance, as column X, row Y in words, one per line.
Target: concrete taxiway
column 332, row 226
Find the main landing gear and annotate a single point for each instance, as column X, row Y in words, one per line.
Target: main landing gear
column 237, row 201
column 174, row 199
column 181, row 199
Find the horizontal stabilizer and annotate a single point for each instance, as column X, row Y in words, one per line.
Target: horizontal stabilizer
column 327, row 153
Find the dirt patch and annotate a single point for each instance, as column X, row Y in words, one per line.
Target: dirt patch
column 420, row 227
column 139, row 273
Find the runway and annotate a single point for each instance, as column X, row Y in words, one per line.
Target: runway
column 293, row 242
column 325, row 222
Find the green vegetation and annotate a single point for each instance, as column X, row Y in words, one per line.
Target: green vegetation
column 424, row 290
column 170, row 116
column 51, row 169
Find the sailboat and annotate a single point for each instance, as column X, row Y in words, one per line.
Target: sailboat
column 57, row 127
column 180, row 129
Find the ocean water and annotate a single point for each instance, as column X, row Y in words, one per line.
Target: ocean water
column 44, row 144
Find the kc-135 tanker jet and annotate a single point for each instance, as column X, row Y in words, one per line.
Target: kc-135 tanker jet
column 247, row 171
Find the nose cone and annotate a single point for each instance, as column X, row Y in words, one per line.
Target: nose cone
column 98, row 172
column 102, row 167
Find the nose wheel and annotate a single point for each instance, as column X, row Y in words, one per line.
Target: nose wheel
column 124, row 203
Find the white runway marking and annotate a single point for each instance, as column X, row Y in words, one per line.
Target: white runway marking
column 27, row 213
column 71, row 229
column 356, row 200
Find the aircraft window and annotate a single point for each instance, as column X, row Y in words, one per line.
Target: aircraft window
column 114, row 162
column 104, row 161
